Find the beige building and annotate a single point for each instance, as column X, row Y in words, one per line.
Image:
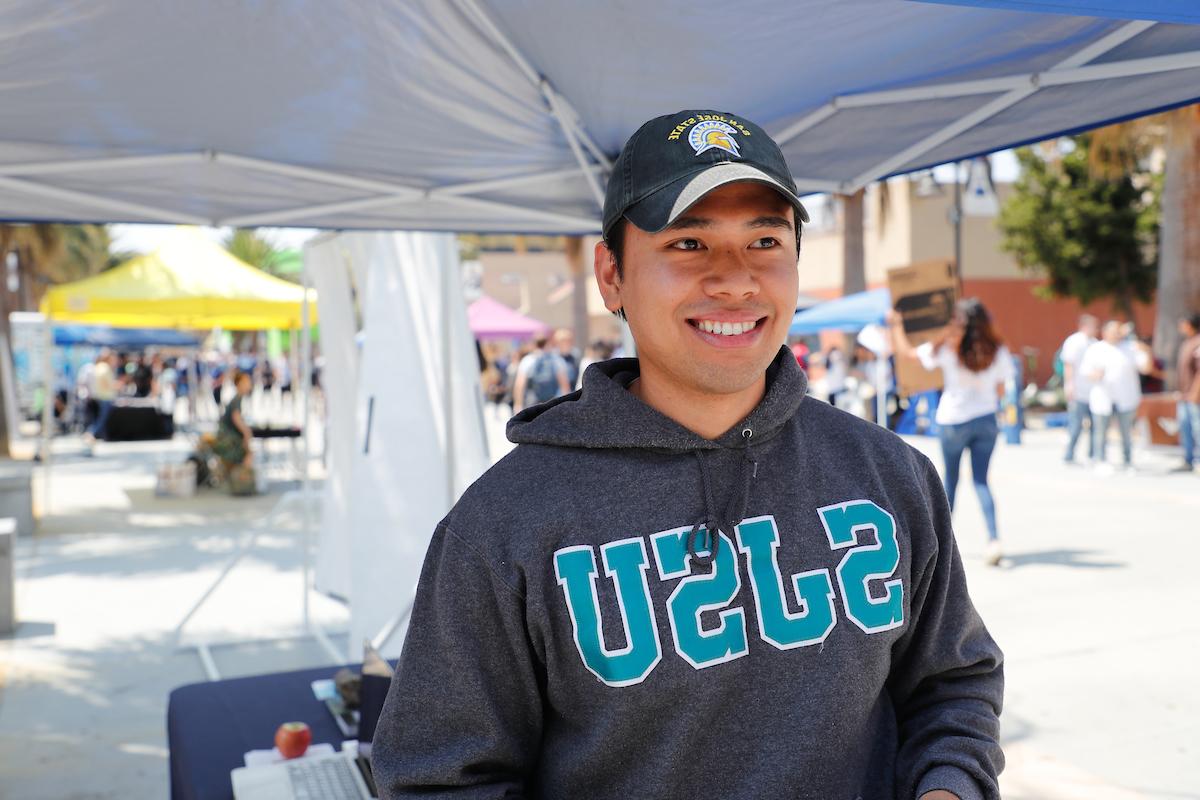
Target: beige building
column 539, row 285
column 904, row 223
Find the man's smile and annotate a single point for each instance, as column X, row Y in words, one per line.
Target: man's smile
column 725, row 330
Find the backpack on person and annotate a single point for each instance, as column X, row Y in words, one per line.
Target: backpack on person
column 543, row 379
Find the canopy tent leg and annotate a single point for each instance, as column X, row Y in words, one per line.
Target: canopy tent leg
column 47, row 410
column 249, row 543
column 881, row 395
column 306, row 484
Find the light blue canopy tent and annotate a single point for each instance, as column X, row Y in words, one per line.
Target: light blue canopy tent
column 476, row 115
column 104, row 336
column 850, row 313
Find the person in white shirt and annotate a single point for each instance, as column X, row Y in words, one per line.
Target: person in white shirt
column 1113, row 365
column 1077, row 386
column 836, row 371
column 975, row 366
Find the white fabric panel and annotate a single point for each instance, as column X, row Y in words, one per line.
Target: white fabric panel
column 327, row 264
column 416, row 459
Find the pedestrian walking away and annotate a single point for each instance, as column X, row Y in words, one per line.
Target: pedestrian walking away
column 541, row 376
column 975, row 366
column 1077, row 387
column 688, row 580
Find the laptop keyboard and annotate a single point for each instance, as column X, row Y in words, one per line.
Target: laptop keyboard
column 323, row 779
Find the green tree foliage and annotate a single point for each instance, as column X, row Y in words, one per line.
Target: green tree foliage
column 1093, row 236
column 252, row 247
column 258, row 250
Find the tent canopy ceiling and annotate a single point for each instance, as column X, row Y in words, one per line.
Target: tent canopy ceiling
column 475, row 115
column 190, row 282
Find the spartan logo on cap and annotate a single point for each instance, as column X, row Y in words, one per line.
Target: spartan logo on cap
column 712, row 134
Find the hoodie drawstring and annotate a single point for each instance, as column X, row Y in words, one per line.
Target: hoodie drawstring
column 738, row 500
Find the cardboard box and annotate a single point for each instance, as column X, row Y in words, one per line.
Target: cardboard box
column 1159, row 412
column 924, row 294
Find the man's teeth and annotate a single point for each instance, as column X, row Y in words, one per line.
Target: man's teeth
column 726, row 328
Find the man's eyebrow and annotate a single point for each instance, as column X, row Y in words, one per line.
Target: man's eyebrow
column 690, row 222
column 770, row 221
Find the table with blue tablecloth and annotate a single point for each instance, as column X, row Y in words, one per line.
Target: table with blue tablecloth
column 210, row 726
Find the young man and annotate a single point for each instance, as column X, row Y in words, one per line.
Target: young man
column 1078, row 386
column 723, row 590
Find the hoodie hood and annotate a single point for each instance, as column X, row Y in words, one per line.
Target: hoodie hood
column 605, row 414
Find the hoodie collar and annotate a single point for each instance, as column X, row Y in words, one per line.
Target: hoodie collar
column 605, row 414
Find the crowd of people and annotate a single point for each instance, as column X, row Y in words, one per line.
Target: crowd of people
column 1106, row 369
column 205, row 385
column 549, row 366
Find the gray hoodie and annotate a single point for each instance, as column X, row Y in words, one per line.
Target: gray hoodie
column 578, row 632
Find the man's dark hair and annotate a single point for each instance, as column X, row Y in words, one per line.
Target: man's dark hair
column 1190, row 319
column 540, row 340
column 615, row 242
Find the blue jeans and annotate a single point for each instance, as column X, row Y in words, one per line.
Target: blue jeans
column 1188, row 415
column 979, row 436
column 1124, row 425
column 99, row 428
column 1077, row 412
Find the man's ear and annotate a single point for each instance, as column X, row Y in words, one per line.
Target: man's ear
column 607, row 279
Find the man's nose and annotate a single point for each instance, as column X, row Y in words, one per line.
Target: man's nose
column 732, row 275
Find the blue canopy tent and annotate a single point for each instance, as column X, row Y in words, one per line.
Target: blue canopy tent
column 850, row 313
column 464, row 115
column 1187, row 11
column 134, row 338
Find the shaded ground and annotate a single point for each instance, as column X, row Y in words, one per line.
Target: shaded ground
column 1093, row 607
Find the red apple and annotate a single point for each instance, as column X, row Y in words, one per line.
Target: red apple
column 292, row 739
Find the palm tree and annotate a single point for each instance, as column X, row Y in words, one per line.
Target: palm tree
column 33, row 258
column 1175, row 136
column 252, row 247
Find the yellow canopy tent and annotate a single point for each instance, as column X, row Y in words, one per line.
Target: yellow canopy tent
column 190, row 282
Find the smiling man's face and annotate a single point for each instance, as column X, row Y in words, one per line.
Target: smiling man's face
column 710, row 298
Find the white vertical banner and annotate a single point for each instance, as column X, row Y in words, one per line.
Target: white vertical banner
column 419, row 428
column 328, row 262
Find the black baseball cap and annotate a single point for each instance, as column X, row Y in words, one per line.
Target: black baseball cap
column 674, row 160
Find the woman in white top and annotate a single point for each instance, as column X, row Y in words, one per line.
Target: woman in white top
column 975, row 365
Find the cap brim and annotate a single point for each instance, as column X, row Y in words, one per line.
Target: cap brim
column 659, row 209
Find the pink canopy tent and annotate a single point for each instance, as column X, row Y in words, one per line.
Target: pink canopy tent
column 491, row 319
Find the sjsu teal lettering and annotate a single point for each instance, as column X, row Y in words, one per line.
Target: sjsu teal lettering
column 793, row 613
column 626, row 562
column 759, row 540
column 865, row 563
column 697, row 593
